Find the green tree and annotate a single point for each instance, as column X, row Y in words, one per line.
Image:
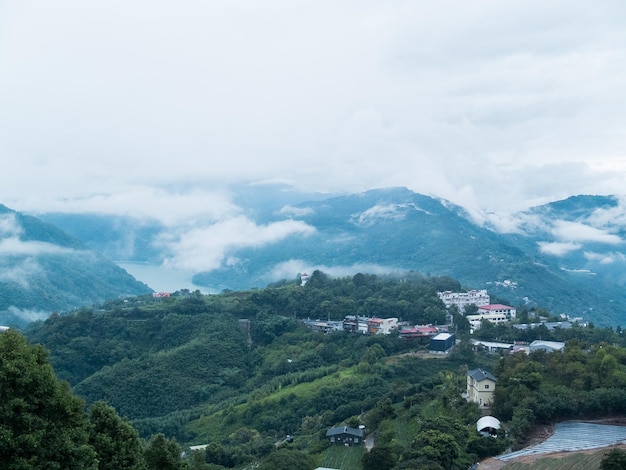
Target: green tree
column 287, row 459
column 379, row 458
column 381, row 411
column 163, row 454
column 436, row 446
column 42, row 424
column 614, row 459
column 114, row 439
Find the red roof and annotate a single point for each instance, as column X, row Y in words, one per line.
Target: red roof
column 495, row 307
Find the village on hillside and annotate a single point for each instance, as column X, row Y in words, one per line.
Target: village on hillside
column 441, row 338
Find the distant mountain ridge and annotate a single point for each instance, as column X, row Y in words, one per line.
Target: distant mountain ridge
column 43, row 269
column 567, row 256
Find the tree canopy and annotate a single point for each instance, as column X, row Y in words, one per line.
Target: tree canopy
column 42, row 424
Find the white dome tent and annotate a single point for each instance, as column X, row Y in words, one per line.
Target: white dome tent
column 488, row 426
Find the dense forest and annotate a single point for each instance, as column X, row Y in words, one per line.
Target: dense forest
column 238, row 373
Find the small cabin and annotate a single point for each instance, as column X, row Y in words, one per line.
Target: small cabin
column 344, row 435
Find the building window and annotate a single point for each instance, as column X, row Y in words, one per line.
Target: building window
column 486, row 386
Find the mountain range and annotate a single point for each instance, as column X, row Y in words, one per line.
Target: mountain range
column 43, row 269
column 567, row 256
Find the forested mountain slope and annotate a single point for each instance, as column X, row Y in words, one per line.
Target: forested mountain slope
column 567, row 256
column 42, row 269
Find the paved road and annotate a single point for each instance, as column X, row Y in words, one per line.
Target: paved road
column 573, row 436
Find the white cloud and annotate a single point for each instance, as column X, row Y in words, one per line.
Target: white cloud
column 612, row 217
column 205, row 249
column 378, row 212
column 289, row 269
column 491, row 105
column 291, row 211
column 9, row 227
column 12, row 246
column 606, row 258
column 578, row 232
column 171, row 206
column 558, row 248
column 20, row 271
column 28, row 315
column 17, row 247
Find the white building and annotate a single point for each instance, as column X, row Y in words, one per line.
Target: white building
column 496, row 314
column 382, row 326
column 476, row 320
column 500, row 309
column 463, row 299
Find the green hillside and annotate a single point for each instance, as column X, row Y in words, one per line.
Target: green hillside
column 43, row 269
column 237, row 372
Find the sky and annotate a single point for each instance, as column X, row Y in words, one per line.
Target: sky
column 155, row 108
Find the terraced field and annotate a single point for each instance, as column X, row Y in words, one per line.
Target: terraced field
column 343, row 458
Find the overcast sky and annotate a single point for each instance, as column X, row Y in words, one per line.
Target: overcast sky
column 141, row 106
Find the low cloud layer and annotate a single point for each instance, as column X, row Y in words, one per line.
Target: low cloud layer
column 18, row 258
column 378, row 212
column 19, row 271
column 208, row 248
column 11, row 245
column 606, row 258
column 288, row 269
column 578, row 232
column 28, row 315
column 558, row 248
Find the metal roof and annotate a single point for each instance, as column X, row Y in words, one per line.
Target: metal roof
column 479, row 374
column 345, row 430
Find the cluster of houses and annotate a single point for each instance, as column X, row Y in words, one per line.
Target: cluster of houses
column 494, row 313
column 440, row 340
column 355, row 324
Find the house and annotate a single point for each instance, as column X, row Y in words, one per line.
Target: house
column 355, row 324
column 463, row 299
column 325, row 327
column 418, row 331
column 475, row 321
column 481, row 386
column 548, row 346
column 550, row 325
column 492, row 346
column 495, row 313
column 344, row 435
column 381, row 326
column 505, row 310
column 442, row 343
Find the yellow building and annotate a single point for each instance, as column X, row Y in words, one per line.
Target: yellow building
column 481, row 386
